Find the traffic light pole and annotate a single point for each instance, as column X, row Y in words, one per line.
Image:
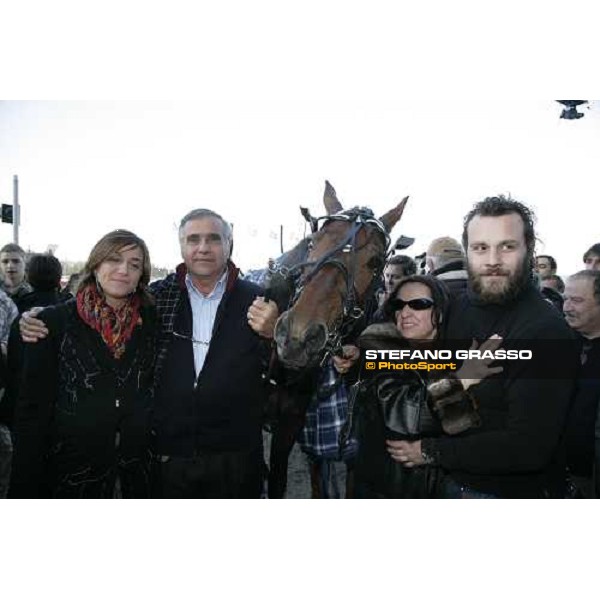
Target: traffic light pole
column 16, row 211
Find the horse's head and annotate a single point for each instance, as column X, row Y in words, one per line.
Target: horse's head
column 344, row 261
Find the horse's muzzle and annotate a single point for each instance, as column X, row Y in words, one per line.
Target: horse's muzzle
column 299, row 349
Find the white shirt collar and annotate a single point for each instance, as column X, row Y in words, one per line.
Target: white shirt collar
column 216, row 292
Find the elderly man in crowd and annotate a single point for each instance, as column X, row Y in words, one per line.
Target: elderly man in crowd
column 582, row 312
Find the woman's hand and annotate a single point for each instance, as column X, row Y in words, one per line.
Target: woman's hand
column 408, row 454
column 475, row 369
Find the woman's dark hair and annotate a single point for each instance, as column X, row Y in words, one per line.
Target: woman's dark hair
column 44, row 272
column 439, row 295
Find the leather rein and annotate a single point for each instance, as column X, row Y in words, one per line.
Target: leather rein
column 299, row 278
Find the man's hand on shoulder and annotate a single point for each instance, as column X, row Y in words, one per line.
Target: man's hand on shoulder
column 32, row 329
column 262, row 317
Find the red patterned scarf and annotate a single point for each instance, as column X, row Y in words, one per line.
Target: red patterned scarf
column 114, row 325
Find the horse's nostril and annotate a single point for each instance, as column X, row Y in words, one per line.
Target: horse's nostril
column 315, row 337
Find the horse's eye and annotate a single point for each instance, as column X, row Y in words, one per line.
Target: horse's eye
column 375, row 262
column 310, row 245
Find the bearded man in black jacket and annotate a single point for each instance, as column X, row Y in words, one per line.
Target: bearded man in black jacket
column 517, row 452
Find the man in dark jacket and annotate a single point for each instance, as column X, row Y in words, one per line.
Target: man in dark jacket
column 446, row 261
column 209, row 393
column 516, row 452
column 44, row 272
column 582, row 311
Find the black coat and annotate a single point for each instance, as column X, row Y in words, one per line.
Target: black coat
column 83, row 417
column 518, row 450
column 401, row 407
column 15, row 351
column 394, row 408
column 38, row 298
column 221, row 409
column 580, row 436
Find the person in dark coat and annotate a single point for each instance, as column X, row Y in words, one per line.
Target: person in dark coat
column 582, row 312
column 445, row 261
column 518, row 451
column 43, row 273
column 211, row 355
column 411, row 404
column 83, row 415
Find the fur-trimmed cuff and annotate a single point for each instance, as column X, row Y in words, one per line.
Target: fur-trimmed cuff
column 444, row 387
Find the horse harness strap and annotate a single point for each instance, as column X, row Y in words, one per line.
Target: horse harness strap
column 359, row 217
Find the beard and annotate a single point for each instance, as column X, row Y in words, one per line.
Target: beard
column 506, row 288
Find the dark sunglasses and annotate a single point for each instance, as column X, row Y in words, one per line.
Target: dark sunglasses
column 416, row 304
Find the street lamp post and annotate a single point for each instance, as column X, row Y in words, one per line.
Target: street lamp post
column 16, row 211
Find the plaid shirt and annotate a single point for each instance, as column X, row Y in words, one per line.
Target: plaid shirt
column 167, row 293
column 8, row 313
column 325, row 419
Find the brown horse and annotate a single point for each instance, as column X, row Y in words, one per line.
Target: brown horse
column 345, row 259
column 331, row 287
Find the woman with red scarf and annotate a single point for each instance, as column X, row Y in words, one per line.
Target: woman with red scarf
column 82, row 423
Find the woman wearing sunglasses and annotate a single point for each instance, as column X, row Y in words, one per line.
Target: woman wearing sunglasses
column 82, row 415
column 403, row 406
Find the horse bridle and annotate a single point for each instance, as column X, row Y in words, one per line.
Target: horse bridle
column 359, row 217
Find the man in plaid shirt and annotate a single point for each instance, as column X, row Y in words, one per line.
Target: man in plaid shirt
column 8, row 313
column 325, row 418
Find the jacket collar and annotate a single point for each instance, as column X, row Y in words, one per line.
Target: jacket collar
column 455, row 265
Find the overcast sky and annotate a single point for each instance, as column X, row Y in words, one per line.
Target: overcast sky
column 88, row 167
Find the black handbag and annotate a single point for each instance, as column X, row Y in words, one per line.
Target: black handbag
column 405, row 408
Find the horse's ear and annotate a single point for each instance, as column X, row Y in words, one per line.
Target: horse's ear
column 332, row 204
column 393, row 216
